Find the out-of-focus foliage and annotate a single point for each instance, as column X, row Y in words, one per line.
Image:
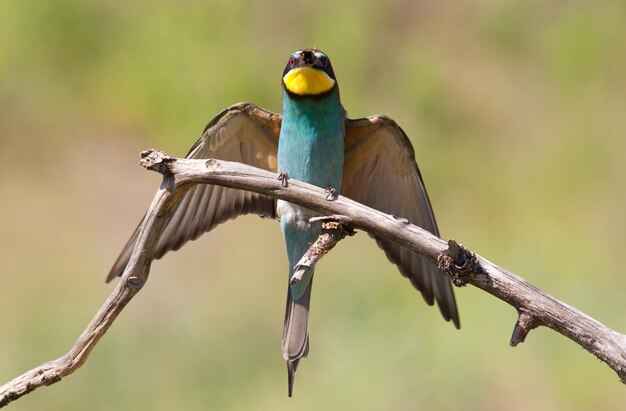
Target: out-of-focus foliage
column 517, row 111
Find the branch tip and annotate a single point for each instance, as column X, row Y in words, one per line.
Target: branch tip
column 297, row 276
column 525, row 323
column 156, row 160
column 331, row 233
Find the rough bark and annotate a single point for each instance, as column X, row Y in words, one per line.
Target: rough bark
column 535, row 307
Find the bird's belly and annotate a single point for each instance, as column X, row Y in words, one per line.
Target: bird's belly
column 293, row 214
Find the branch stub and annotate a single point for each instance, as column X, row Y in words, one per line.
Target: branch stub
column 458, row 263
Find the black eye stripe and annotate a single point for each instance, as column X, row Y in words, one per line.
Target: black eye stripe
column 318, row 59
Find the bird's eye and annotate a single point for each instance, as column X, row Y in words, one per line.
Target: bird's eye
column 292, row 61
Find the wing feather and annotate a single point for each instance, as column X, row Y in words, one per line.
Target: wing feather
column 244, row 133
column 380, row 171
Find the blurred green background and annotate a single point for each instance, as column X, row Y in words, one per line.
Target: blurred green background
column 517, row 111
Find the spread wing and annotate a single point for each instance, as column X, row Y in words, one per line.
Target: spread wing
column 244, row 133
column 380, row 172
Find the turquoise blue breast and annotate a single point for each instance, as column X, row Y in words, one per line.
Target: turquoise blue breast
column 310, row 148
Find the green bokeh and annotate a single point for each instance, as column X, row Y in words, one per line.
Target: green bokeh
column 517, row 113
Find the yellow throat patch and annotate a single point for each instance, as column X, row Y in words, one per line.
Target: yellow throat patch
column 307, row 81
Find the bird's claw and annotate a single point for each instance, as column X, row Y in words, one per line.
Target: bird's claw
column 283, row 177
column 401, row 219
column 331, row 193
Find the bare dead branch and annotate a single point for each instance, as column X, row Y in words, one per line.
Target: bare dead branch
column 132, row 281
column 332, row 232
column 535, row 307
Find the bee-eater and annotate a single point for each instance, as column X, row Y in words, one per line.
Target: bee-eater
column 370, row 160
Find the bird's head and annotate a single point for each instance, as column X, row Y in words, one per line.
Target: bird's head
column 308, row 73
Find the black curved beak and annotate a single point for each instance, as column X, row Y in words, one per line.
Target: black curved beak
column 308, row 57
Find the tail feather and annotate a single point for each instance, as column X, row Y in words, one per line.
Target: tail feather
column 291, row 374
column 299, row 235
column 296, row 333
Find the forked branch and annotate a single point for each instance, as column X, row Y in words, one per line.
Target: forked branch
column 535, row 307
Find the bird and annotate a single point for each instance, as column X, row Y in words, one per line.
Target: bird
column 370, row 160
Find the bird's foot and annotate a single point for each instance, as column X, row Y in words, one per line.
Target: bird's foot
column 283, row 177
column 331, row 193
column 401, row 219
